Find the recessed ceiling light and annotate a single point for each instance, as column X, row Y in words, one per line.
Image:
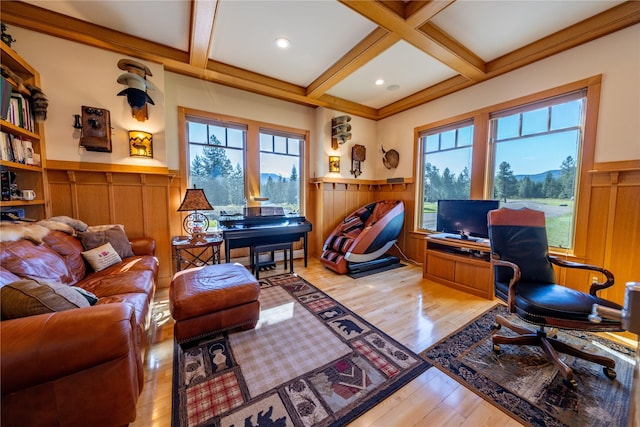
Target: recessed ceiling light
column 393, row 87
column 282, row 42
column 379, row 82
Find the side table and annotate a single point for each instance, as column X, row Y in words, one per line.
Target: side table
column 189, row 254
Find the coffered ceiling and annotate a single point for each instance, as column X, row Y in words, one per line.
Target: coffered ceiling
column 421, row 50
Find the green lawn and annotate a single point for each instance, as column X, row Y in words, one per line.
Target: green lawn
column 558, row 226
column 557, row 231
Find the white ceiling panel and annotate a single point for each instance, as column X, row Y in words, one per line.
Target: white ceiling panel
column 491, row 29
column 404, row 69
column 320, row 32
column 164, row 22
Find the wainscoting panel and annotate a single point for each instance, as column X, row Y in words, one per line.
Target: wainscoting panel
column 142, row 202
column 614, row 223
column 334, row 199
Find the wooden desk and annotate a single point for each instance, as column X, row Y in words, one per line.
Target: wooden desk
column 189, row 254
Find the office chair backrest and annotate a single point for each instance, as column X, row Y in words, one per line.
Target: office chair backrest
column 520, row 236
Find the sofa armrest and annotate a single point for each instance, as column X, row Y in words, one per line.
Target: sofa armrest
column 143, row 246
column 43, row 348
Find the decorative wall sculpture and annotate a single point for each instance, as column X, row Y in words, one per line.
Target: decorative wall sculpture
column 340, row 130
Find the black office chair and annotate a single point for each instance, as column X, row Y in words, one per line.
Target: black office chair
column 525, row 280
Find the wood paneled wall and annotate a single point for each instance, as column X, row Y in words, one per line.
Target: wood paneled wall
column 145, row 201
column 614, row 223
column 331, row 200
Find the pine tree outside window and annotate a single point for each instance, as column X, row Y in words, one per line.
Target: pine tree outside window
column 280, row 164
column 216, row 163
column 446, row 167
column 536, row 150
column 241, row 162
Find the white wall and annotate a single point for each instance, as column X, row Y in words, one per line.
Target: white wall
column 199, row 94
column 73, row 75
column 616, row 57
column 363, row 132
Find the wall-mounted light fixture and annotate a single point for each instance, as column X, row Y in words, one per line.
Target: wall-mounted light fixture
column 334, row 163
column 140, row 144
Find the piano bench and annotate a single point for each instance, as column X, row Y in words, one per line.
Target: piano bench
column 256, row 250
column 211, row 299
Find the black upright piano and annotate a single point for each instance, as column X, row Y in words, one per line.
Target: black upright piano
column 263, row 226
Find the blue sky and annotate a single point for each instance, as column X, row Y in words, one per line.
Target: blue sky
column 526, row 155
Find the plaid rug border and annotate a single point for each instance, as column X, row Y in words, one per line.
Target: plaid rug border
column 362, row 347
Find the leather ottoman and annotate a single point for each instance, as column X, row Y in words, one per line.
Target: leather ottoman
column 211, row 299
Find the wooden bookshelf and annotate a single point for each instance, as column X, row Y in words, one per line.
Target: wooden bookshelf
column 27, row 176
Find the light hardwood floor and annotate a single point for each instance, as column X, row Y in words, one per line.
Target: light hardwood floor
column 416, row 312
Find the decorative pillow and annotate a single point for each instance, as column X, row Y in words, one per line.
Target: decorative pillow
column 27, row 298
column 102, row 257
column 114, row 235
column 89, row 296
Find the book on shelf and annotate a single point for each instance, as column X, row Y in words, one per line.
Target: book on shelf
column 5, row 98
column 7, row 184
column 16, row 149
column 20, row 112
column 27, row 148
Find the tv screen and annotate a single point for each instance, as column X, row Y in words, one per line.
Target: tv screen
column 465, row 218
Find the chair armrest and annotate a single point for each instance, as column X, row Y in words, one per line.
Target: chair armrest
column 143, row 246
column 42, row 348
column 511, row 298
column 596, row 286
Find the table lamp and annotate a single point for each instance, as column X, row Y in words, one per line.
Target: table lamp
column 196, row 223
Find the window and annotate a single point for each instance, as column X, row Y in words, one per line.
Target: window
column 536, row 151
column 280, row 169
column 240, row 162
column 446, row 167
column 216, row 162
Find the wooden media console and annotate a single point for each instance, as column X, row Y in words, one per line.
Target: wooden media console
column 460, row 264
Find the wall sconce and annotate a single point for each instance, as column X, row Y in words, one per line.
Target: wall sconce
column 140, row 144
column 334, row 163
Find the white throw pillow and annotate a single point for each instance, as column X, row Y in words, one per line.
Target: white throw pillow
column 102, row 257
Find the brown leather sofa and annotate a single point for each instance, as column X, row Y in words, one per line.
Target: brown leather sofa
column 83, row 366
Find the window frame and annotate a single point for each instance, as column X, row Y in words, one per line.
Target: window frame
column 481, row 166
column 252, row 149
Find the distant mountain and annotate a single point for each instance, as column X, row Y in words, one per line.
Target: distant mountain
column 540, row 177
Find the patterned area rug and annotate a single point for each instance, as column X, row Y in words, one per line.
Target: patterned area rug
column 521, row 381
column 310, row 361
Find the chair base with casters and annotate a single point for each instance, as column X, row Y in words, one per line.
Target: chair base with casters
column 525, row 280
column 550, row 346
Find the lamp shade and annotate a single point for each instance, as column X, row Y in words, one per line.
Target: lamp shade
column 195, row 200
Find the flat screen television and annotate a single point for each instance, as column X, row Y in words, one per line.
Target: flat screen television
column 465, row 219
